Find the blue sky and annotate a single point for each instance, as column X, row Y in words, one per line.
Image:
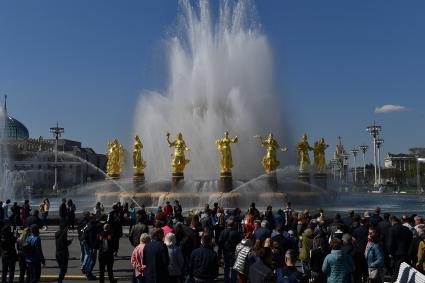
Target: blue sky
column 84, row 64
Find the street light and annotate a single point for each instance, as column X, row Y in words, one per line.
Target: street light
column 374, row 132
column 354, row 151
column 379, row 143
column 345, row 165
column 56, row 131
column 364, row 148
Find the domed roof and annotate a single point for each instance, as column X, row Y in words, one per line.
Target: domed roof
column 15, row 129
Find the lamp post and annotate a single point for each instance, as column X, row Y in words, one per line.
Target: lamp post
column 379, row 143
column 354, row 151
column 56, row 131
column 374, row 132
column 364, row 148
column 345, row 166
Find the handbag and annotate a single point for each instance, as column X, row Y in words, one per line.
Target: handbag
column 373, row 273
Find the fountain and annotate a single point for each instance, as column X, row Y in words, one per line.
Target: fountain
column 221, row 77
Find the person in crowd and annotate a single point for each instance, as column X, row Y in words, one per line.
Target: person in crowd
column 138, row 230
column 269, row 216
column 21, row 243
column 317, row 257
column 229, row 239
column 400, row 238
column 15, row 217
column 137, row 259
column 90, row 244
column 156, row 259
column 263, row 232
column 132, row 215
column 6, row 206
column 34, row 254
column 281, row 239
column 25, row 213
column 261, row 271
column 62, row 251
column 420, row 263
column 168, row 209
column 168, row 228
column 337, row 265
column 98, row 210
column 203, row 264
column 242, row 262
column 176, row 265
column 290, row 273
column 219, row 226
column 375, row 258
column 8, row 254
column 81, row 236
column 44, row 210
column 35, row 219
column 115, row 222
column 306, row 245
column 106, row 254
column 288, row 217
column 63, row 212
column 70, row 211
column 348, row 220
column 178, row 211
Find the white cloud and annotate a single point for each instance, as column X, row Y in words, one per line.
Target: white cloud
column 387, row 108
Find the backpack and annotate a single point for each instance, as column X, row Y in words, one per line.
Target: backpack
column 26, row 247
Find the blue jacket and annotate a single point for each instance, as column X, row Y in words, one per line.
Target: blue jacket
column 36, row 255
column 374, row 256
column 338, row 266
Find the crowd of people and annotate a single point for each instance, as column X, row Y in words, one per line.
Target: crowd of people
column 280, row 245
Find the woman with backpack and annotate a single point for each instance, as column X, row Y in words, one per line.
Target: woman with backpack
column 176, row 264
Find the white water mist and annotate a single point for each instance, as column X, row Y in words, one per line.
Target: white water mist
column 221, row 77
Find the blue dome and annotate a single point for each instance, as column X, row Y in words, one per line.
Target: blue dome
column 15, row 129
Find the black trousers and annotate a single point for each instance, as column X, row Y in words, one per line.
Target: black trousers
column 8, row 267
column 106, row 260
column 63, row 267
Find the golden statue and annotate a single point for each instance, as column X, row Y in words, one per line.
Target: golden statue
column 115, row 158
column 270, row 163
column 178, row 159
column 303, row 149
column 138, row 163
column 223, row 146
column 319, row 155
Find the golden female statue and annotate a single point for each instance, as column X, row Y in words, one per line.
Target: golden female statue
column 303, row 149
column 178, row 159
column 270, row 163
column 115, row 158
column 138, row 163
column 319, row 155
column 223, row 146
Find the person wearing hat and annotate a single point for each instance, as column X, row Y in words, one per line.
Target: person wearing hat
column 106, row 254
column 62, row 252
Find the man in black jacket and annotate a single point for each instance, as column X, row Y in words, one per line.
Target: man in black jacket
column 155, row 257
column 228, row 241
column 398, row 244
column 91, row 232
column 8, row 253
column 106, row 254
column 203, row 266
column 63, row 212
column 62, row 252
column 137, row 231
